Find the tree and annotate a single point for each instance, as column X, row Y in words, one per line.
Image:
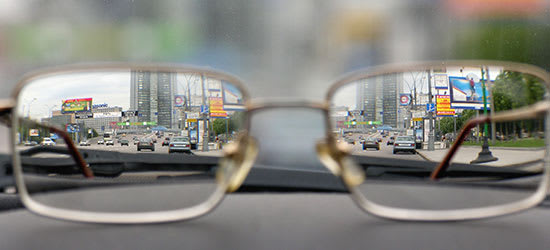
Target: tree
column 447, row 123
column 236, row 122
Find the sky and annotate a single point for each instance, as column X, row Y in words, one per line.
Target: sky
column 113, row 88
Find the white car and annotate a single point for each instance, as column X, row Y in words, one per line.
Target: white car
column 84, row 143
column 101, row 141
column 109, row 142
column 47, row 142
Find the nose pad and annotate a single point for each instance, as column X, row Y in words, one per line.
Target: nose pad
column 236, row 164
column 337, row 160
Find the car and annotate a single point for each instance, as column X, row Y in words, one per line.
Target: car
column 166, row 141
column 109, row 142
column 124, row 142
column 404, row 144
column 179, row 144
column 46, row 141
column 100, row 142
column 391, row 140
column 379, row 139
column 30, row 143
column 136, row 141
column 154, row 140
column 371, row 143
column 146, row 143
column 84, row 143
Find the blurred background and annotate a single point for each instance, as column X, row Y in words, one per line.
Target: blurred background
column 279, row 48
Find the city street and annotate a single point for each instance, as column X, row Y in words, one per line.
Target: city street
column 159, row 149
column 385, row 150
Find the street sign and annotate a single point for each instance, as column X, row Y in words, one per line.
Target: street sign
column 179, row 100
column 417, row 119
column 430, row 107
column 204, row 109
column 404, row 99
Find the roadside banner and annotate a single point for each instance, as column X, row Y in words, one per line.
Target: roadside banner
column 216, row 107
column 443, row 107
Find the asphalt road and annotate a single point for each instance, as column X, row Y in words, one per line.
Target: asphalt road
column 385, row 150
column 159, row 149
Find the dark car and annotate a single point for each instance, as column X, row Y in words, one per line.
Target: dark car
column 146, row 143
column 124, row 142
column 371, row 143
column 391, row 141
column 166, row 141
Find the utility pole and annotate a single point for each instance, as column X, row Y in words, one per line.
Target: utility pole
column 204, row 118
column 430, row 114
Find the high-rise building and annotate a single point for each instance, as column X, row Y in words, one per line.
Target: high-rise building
column 152, row 96
column 378, row 97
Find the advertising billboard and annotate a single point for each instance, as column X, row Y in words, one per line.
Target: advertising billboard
column 467, row 93
column 33, row 132
column 443, row 107
column 232, row 97
column 76, row 105
column 216, row 107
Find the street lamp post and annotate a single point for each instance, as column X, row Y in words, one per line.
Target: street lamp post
column 430, row 116
column 205, row 117
column 485, row 155
column 29, row 107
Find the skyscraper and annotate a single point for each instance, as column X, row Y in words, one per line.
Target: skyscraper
column 378, row 97
column 151, row 95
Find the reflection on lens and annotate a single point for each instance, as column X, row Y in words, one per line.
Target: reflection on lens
column 152, row 139
column 401, row 126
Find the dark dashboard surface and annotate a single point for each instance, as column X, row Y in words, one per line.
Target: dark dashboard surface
column 280, row 221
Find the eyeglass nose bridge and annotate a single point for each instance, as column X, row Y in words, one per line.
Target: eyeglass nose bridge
column 240, row 157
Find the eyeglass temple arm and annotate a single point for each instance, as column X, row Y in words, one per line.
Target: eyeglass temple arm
column 6, row 108
column 528, row 112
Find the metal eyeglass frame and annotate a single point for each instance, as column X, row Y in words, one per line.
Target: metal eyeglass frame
column 239, row 157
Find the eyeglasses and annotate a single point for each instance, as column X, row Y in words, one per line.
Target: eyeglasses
column 137, row 143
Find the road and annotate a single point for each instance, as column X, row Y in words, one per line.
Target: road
column 385, row 150
column 159, row 149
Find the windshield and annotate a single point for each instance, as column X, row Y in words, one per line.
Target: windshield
column 180, row 139
column 404, row 138
column 235, row 58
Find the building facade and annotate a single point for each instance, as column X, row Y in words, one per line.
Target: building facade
column 152, row 95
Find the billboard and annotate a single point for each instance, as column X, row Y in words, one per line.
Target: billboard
column 216, row 107
column 467, row 93
column 76, row 105
column 443, row 107
column 33, row 132
column 232, row 97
